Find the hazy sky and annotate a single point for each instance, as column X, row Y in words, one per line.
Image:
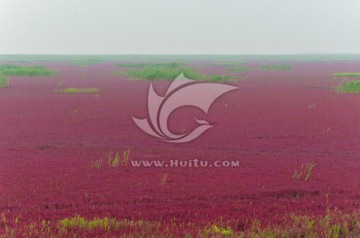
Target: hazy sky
column 179, row 26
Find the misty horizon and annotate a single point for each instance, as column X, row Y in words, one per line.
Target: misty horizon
column 179, row 27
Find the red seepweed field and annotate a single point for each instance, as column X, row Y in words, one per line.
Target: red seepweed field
column 294, row 137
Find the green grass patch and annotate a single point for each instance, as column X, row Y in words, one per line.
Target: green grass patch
column 3, row 81
column 229, row 63
column 78, row 222
column 118, row 73
column 88, row 62
column 276, row 67
column 238, row 69
column 154, row 65
column 169, row 71
column 216, row 78
column 161, row 73
column 347, row 74
column 131, row 65
column 349, row 87
column 25, row 71
column 78, row 90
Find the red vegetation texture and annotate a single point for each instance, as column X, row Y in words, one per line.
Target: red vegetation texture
column 273, row 123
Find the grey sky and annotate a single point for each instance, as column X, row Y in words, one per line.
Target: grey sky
column 179, row 26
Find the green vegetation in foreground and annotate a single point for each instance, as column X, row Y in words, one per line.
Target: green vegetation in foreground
column 169, row 71
column 334, row 224
column 78, row 90
column 25, row 71
column 3, row 82
column 347, row 74
column 349, row 87
column 276, row 67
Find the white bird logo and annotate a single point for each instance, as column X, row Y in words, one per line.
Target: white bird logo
column 181, row 92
